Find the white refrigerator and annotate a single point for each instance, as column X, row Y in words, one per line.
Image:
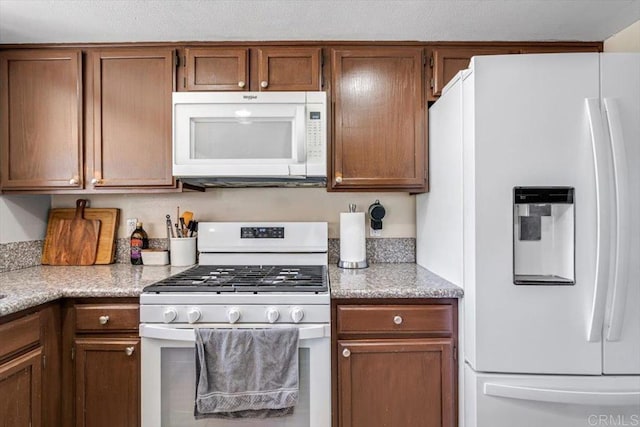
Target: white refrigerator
column 534, row 210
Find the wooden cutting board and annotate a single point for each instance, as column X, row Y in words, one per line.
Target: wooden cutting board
column 108, row 217
column 74, row 241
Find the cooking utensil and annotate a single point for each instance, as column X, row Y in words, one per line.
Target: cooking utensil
column 183, row 227
column 169, row 227
column 188, row 216
column 109, row 219
column 193, row 227
column 75, row 241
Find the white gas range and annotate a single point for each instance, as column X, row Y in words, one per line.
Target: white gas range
column 251, row 275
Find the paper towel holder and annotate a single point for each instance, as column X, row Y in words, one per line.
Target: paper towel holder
column 353, row 264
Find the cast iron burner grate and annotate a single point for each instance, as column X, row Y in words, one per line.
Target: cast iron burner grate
column 249, row 278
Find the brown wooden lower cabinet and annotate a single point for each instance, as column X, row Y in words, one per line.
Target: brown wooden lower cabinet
column 395, row 383
column 395, row 363
column 107, row 385
column 21, row 390
column 101, row 372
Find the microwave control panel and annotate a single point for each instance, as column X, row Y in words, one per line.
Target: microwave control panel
column 316, row 140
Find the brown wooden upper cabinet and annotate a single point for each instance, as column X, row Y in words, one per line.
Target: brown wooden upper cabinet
column 272, row 69
column 131, row 113
column 446, row 61
column 40, row 119
column 216, row 69
column 378, row 119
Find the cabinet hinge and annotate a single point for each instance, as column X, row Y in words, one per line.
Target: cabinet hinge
column 44, row 361
column 184, row 82
column 431, row 61
column 431, row 83
column 177, row 60
column 424, row 59
column 73, row 353
column 455, row 353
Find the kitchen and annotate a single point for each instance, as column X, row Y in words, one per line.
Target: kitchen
column 245, row 204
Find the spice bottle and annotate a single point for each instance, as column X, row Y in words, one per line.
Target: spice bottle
column 139, row 241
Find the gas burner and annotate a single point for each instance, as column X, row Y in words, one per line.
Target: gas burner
column 249, row 278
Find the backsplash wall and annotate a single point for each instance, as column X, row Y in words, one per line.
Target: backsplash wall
column 253, row 204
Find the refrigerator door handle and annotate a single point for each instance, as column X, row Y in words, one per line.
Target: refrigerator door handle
column 600, row 156
column 623, row 218
column 600, row 398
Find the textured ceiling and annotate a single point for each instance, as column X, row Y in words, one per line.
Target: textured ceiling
column 35, row 21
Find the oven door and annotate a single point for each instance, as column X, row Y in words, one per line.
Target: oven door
column 168, row 379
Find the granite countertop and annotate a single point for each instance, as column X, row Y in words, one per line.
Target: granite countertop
column 405, row 280
column 33, row 286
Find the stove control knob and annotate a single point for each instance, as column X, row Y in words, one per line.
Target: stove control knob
column 296, row 314
column 233, row 314
column 194, row 315
column 170, row 315
column 272, row 314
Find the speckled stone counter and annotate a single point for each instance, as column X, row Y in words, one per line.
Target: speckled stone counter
column 405, row 280
column 33, row 286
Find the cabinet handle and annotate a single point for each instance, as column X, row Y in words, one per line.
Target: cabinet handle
column 397, row 320
column 346, row 352
column 264, row 84
column 338, row 179
column 241, row 84
column 129, row 351
column 96, row 181
column 74, row 181
column 104, row 320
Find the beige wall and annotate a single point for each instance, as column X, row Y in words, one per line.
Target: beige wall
column 627, row 40
column 254, row 204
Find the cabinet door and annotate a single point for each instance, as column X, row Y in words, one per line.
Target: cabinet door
column 288, row 68
column 447, row 61
column 21, row 390
column 396, row 383
column 378, row 119
column 132, row 118
column 107, row 391
column 40, row 119
column 216, row 69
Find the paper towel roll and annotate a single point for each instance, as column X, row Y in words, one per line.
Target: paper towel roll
column 352, row 237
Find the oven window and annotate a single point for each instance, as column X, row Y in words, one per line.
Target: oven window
column 178, row 394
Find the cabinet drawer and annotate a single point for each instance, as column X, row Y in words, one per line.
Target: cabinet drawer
column 19, row 334
column 371, row 319
column 107, row 317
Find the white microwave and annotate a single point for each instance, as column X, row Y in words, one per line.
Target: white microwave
column 230, row 138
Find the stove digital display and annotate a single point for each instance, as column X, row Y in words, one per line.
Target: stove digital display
column 262, row 232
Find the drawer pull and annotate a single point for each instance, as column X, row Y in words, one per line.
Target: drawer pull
column 104, row 320
column 241, row 84
column 397, row 320
column 129, row 351
column 346, row 352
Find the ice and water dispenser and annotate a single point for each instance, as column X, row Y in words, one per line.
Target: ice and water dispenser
column 543, row 236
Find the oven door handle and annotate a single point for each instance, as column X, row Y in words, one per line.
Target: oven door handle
column 187, row 335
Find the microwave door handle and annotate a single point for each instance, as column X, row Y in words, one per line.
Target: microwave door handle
column 187, row 335
column 300, row 139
